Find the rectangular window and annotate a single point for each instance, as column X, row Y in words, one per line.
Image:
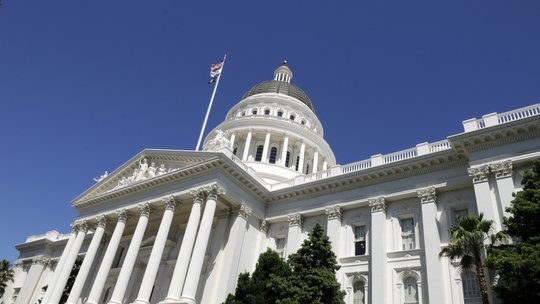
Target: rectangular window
column 457, row 213
column 408, row 241
column 280, row 246
column 360, row 240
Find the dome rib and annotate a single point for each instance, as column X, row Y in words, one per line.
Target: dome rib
column 280, row 87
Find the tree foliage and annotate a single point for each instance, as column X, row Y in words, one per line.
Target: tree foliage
column 518, row 264
column 6, row 275
column 467, row 243
column 308, row 277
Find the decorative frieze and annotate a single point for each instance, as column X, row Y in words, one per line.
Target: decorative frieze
column 502, row 169
column 479, row 174
column 377, row 204
column 333, row 212
column 170, row 202
column 427, row 195
column 242, row 211
column 264, row 226
column 295, row 220
column 142, row 172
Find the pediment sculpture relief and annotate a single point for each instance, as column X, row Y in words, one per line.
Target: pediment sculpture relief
column 220, row 141
column 143, row 172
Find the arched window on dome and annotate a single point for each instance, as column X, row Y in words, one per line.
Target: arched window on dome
column 266, row 111
column 292, row 117
column 303, row 122
column 254, row 111
column 243, row 113
column 280, row 113
column 287, row 159
column 410, row 288
column 297, row 163
column 358, row 292
column 235, row 150
column 471, row 288
column 273, row 155
column 258, row 155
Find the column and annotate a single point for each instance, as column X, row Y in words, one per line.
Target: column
column 186, row 248
column 378, row 250
column 315, row 160
column 61, row 262
column 302, row 155
column 88, row 261
column 234, row 247
column 70, row 261
column 266, row 147
column 482, row 193
column 199, row 251
column 108, row 258
column 233, row 137
column 505, row 184
column 246, row 146
column 31, row 280
column 149, row 277
column 436, row 290
column 324, row 165
column 294, row 235
column 131, row 256
column 284, row 149
column 334, row 228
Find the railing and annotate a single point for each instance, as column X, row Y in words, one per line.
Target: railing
column 316, row 176
column 519, row 114
column 283, row 184
column 401, row 155
column 356, row 166
column 439, row 146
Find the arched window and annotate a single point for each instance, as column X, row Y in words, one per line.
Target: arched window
column 280, row 113
column 471, row 288
column 303, row 122
column 258, row 155
column 358, row 292
column 292, row 117
column 297, row 163
column 266, row 111
column 410, row 288
column 287, row 159
column 235, row 150
column 273, row 154
column 307, row 168
column 254, row 111
column 243, row 113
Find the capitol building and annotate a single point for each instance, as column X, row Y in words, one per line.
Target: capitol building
column 179, row 226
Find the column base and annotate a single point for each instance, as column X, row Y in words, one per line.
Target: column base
column 114, row 302
column 141, row 301
column 182, row 300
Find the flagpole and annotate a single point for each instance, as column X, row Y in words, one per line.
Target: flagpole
column 210, row 104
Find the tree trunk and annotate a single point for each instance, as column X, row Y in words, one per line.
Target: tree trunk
column 482, row 280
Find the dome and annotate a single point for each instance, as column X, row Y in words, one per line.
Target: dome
column 281, row 85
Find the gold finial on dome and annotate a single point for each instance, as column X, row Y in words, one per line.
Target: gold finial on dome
column 285, row 62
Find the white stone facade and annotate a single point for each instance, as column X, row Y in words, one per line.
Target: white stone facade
column 173, row 226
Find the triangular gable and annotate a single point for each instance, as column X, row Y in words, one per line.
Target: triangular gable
column 147, row 165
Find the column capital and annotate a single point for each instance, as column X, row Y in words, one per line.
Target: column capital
column 502, row 169
column 213, row 191
column 333, row 212
column 479, row 174
column 264, row 226
column 41, row 260
column 19, row 263
column 145, row 209
column 198, row 195
column 378, row 204
column 80, row 226
column 101, row 221
column 242, row 211
column 427, row 195
column 295, row 220
column 170, row 202
column 122, row 215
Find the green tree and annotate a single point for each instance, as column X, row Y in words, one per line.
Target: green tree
column 518, row 264
column 6, row 275
column 309, row 276
column 468, row 239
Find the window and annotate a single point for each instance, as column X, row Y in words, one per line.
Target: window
column 254, row 112
column 280, row 113
column 266, row 111
column 297, row 163
column 471, row 288
column 303, row 122
column 273, row 155
column 235, row 150
column 358, row 292
column 281, row 242
column 243, row 113
column 307, row 169
column 287, row 158
column 360, row 240
column 411, row 290
column 258, row 155
column 457, row 213
column 292, row 117
column 407, row 234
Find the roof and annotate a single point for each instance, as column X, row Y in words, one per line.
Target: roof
column 280, row 87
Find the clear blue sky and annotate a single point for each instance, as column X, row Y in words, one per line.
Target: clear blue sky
column 85, row 85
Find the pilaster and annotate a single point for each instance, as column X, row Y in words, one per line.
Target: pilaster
column 378, row 269
column 334, row 228
column 482, row 192
column 294, row 235
column 505, row 183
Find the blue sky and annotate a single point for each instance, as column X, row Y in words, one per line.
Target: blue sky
column 84, row 86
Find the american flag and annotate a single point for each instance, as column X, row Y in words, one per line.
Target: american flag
column 215, row 70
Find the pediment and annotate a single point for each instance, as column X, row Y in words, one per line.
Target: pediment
column 146, row 166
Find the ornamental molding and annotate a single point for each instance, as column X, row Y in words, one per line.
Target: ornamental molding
column 479, row 174
column 170, row 202
column 378, row 204
column 295, row 220
column 242, row 211
column 334, row 212
column 264, row 227
column 427, row 195
column 502, row 169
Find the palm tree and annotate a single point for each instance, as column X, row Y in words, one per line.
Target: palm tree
column 468, row 242
column 6, row 275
